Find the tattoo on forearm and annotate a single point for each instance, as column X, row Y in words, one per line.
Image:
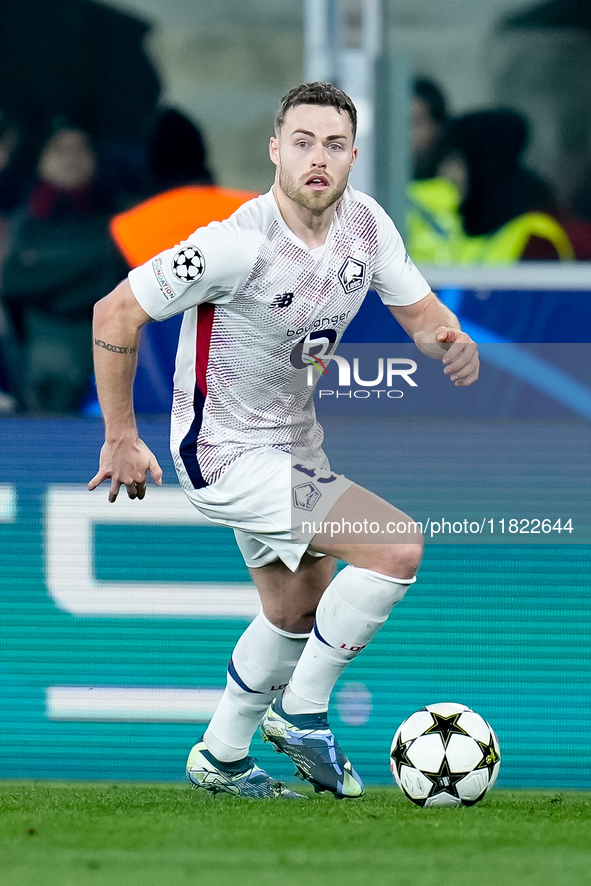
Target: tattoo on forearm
column 116, row 349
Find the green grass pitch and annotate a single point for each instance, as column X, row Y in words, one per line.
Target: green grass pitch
column 153, row 835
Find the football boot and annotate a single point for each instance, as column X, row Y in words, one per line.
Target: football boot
column 242, row 779
column 308, row 741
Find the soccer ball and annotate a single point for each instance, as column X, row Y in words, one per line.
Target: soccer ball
column 445, row 755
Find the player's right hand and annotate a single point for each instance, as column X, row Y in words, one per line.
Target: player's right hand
column 127, row 462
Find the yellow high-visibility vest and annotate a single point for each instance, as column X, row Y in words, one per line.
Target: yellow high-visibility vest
column 434, row 232
column 507, row 245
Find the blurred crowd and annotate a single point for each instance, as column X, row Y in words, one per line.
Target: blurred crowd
column 473, row 199
column 57, row 252
column 68, row 231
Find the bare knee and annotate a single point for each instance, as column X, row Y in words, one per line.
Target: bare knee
column 291, row 621
column 395, row 561
column 290, row 598
column 399, row 560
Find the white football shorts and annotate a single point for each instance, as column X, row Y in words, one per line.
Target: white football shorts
column 272, row 502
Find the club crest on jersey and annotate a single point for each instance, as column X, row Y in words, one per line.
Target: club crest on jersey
column 282, row 301
column 188, row 264
column 306, row 496
column 352, row 275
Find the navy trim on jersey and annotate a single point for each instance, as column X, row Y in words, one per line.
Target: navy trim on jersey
column 188, row 447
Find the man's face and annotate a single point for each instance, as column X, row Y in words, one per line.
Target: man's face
column 314, row 155
column 67, row 160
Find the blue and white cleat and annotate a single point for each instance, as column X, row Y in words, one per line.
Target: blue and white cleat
column 308, row 741
column 242, row 779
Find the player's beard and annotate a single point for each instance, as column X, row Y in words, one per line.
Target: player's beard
column 316, row 201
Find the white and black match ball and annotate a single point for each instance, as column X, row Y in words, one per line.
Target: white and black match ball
column 445, row 755
column 188, row 264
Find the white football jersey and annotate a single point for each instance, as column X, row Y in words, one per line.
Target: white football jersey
column 259, row 304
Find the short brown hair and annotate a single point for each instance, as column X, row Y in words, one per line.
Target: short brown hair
column 316, row 93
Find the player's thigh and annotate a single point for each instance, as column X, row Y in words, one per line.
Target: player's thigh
column 365, row 530
column 289, row 599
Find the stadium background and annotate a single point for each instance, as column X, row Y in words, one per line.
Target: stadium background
column 115, row 643
column 115, row 694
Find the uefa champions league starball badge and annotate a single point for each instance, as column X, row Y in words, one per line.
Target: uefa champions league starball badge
column 188, row 264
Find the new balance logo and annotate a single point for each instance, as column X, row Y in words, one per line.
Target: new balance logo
column 282, row 301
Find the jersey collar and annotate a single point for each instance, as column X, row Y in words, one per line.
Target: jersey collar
column 318, row 251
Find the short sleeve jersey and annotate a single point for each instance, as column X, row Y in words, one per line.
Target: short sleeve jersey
column 259, row 304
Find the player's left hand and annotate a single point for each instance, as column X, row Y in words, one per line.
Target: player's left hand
column 461, row 360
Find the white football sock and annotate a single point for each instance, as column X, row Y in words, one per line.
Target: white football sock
column 353, row 608
column 262, row 663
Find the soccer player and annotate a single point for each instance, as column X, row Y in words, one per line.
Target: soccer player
column 264, row 294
